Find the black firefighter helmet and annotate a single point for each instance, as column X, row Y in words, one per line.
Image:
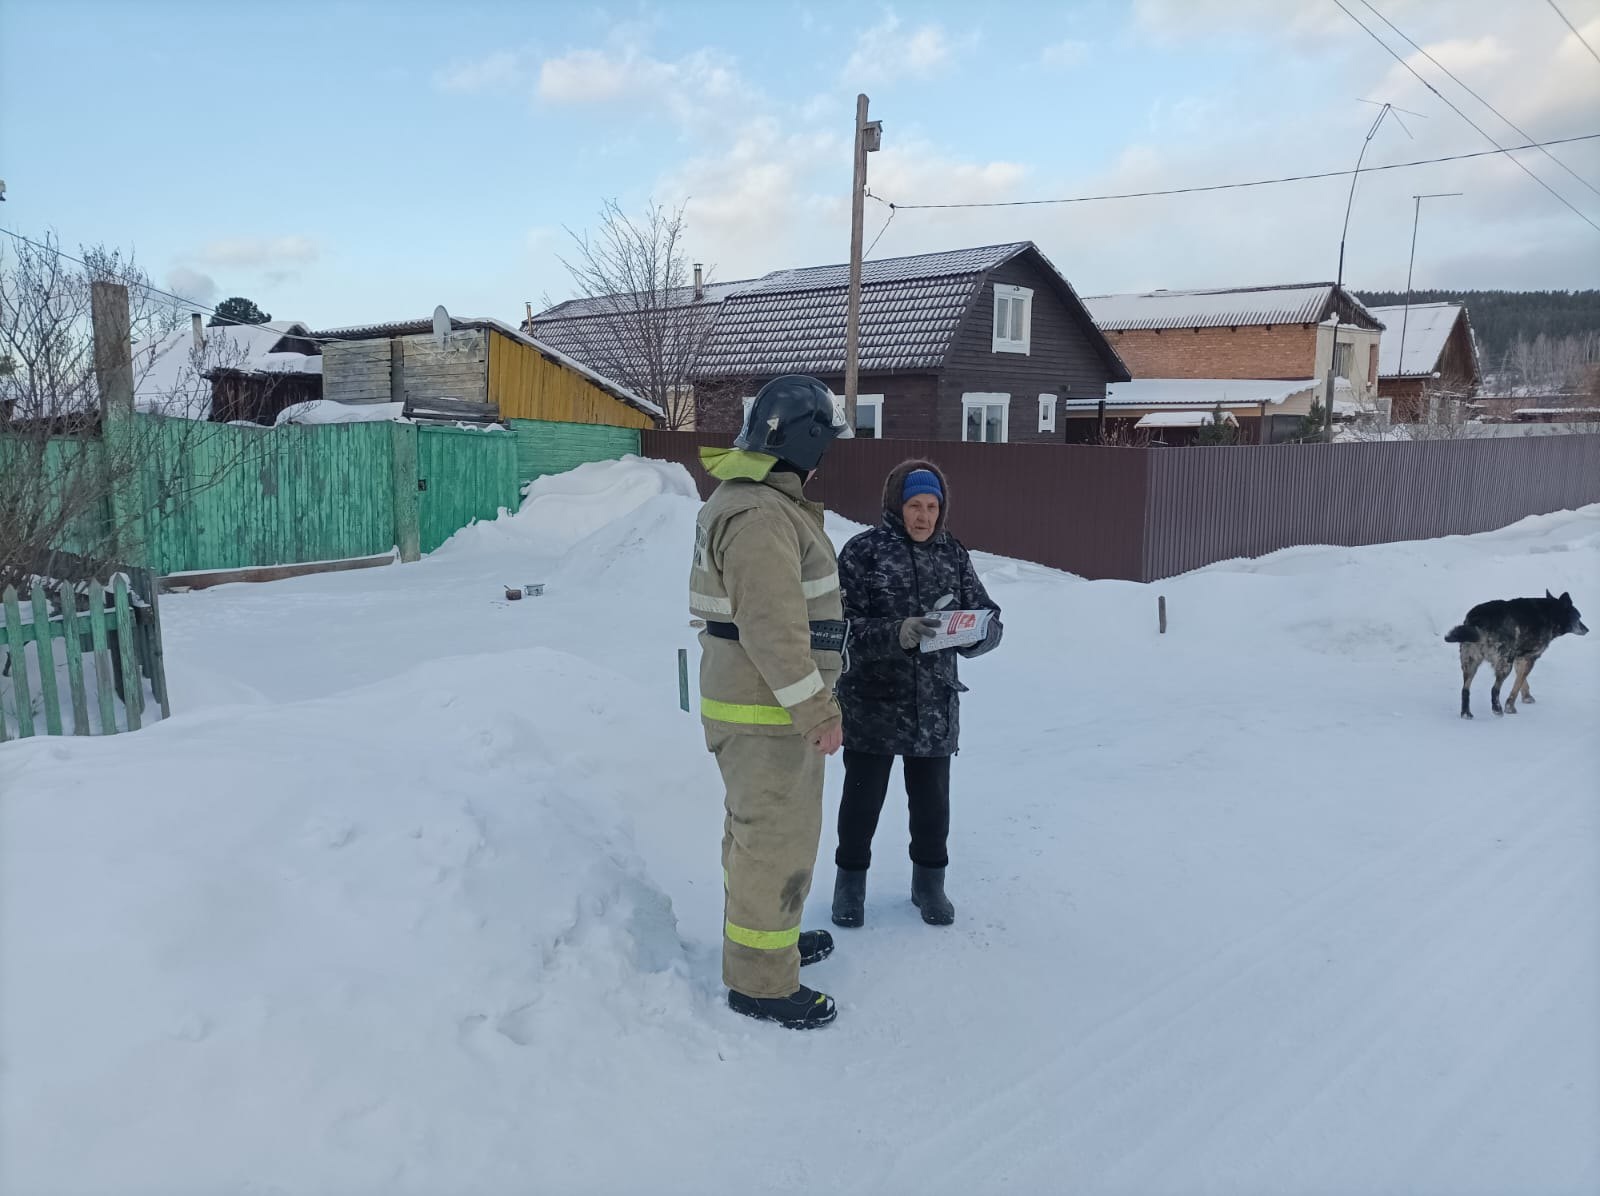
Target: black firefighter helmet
column 794, row 418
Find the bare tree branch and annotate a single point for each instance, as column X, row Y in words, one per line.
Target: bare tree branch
column 640, row 323
column 58, row 472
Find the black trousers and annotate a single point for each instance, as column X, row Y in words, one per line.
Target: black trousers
column 866, row 784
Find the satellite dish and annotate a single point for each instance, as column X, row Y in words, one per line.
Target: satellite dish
column 441, row 325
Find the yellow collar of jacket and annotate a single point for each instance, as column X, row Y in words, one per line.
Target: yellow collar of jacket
column 729, row 464
column 726, row 463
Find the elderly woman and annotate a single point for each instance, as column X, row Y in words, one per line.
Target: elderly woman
column 897, row 699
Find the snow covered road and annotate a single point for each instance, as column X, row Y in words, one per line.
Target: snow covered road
column 418, row 892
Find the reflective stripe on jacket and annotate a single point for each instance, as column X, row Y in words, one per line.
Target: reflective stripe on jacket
column 763, row 562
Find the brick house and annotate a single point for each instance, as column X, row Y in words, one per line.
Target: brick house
column 1428, row 354
column 1263, row 335
column 972, row 344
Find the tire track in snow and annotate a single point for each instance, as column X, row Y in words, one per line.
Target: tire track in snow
column 1431, row 873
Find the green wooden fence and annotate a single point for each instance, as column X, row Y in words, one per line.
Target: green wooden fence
column 546, row 447
column 120, row 635
column 225, row 497
column 463, row 474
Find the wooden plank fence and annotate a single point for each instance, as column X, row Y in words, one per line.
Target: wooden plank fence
column 120, row 631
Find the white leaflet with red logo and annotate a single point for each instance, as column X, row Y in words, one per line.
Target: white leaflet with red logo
column 958, row 628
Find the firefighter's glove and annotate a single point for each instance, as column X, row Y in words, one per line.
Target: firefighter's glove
column 916, row 629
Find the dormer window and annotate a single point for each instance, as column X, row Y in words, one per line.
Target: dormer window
column 1013, row 318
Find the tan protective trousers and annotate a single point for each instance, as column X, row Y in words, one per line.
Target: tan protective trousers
column 769, row 848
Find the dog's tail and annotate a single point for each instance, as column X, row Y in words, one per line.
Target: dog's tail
column 1462, row 634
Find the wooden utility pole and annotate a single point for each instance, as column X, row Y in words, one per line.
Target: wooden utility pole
column 113, row 348
column 113, row 369
column 852, row 327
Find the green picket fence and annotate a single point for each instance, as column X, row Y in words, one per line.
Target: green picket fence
column 118, row 633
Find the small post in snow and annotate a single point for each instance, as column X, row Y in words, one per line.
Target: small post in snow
column 683, row 679
column 1161, row 609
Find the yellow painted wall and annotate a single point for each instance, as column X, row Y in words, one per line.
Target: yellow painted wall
column 528, row 385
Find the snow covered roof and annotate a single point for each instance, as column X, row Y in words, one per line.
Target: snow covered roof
column 1181, row 419
column 1296, row 303
column 1426, row 327
column 169, row 374
column 364, row 332
column 1199, row 392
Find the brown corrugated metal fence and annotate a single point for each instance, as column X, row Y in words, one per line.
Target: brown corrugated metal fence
column 1143, row 514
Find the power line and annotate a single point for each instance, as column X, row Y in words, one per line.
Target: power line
column 1574, row 29
column 1526, row 136
column 1291, row 178
column 1390, row 50
column 881, row 231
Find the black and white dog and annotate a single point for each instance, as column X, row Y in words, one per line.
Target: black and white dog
column 1511, row 634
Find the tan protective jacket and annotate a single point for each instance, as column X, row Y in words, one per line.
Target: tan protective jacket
column 763, row 562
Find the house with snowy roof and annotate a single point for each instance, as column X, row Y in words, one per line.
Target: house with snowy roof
column 1264, row 353
column 228, row 372
column 1428, row 353
column 981, row 344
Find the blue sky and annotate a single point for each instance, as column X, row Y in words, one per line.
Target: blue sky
column 348, row 162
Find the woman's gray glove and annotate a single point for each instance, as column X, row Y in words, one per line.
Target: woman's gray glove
column 916, row 629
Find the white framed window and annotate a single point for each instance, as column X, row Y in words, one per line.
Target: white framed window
column 1342, row 353
column 1047, row 413
column 1013, row 318
column 869, row 416
column 985, row 418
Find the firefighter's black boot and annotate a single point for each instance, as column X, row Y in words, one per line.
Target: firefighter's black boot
column 815, row 945
column 927, row 894
column 850, row 897
column 803, row 1009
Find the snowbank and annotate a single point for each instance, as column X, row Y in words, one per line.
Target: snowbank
column 562, row 510
column 434, row 904
column 241, row 959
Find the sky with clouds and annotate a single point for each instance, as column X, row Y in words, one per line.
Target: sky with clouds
column 342, row 162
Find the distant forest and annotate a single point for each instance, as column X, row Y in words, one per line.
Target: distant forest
column 1502, row 318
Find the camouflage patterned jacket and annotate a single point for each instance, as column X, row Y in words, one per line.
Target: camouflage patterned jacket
column 897, row 702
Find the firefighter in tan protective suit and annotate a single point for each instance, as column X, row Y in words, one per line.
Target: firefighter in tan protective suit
column 766, row 582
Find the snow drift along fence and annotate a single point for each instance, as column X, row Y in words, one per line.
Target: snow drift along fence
column 463, row 474
column 1140, row 514
column 45, row 673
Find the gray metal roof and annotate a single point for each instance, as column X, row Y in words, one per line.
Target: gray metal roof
column 602, row 305
column 918, row 267
column 1295, row 303
column 793, row 321
column 614, row 341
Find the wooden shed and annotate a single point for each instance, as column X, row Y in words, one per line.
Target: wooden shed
column 480, row 369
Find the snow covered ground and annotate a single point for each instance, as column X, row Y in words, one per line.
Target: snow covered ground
column 418, row 892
